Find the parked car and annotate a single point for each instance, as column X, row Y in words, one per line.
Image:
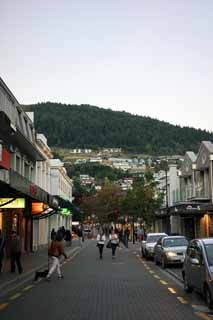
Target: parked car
column 170, row 250
column 198, row 268
column 147, row 246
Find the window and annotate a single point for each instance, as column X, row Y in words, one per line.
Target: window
column 175, row 242
column 18, row 164
column 209, row 253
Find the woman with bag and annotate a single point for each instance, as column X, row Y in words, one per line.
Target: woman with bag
column 114, row 242
column 100, row 242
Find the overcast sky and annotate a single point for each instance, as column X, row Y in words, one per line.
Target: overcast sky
column 147, row 57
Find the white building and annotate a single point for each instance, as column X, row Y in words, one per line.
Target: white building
column 61, row 186
column 169, row 184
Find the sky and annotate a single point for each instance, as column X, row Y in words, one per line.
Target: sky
column 147, row 57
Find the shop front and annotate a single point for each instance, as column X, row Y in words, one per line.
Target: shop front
column 43, row 215
column 13, row 218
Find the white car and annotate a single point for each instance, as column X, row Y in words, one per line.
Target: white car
column 170, row 250
column 147, row 247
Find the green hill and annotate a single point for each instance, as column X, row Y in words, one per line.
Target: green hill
column 85, row 126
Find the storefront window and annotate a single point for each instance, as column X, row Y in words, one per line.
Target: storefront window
column 210, row 226
column 14, row 222
column 0, row 220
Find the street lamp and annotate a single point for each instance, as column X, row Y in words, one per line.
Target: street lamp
column 167, row 200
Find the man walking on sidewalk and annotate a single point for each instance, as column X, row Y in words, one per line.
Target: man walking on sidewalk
column 15, row 253
column 56, row 249
column 2, row 245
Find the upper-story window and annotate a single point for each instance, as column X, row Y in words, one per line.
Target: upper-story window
column 18, row 164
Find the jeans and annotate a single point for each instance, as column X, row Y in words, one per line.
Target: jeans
column 15, row 259
column 101, row 247
column 114, row 246
column 55, row 265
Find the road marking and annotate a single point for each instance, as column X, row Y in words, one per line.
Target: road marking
column 163, row 282
column 151, row 271
column 200, row 308
column 15, row 296
column 182, row 300
column 172, row 290
column 3, row 306
column 156, row 276
column 75, row 254
column 28, row 288
column 203, row 316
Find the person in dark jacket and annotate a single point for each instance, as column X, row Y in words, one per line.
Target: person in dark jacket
column 15, row 253
column 2, row 245
column 53, row 234
column 68, row 238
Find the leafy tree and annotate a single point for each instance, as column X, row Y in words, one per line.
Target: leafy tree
column 142, row 200
column 104, row 203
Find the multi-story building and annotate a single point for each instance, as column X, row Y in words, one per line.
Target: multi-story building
column 168, row 185
column 192, row 209
column 20, row 154
column 61, row 187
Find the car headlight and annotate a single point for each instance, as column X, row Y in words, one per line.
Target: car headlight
column 171, row 254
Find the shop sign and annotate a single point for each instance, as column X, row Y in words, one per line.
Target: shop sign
column 33, row 190
column 65, row 211
column 18, row 203
column 38, row 207
column 19, row 183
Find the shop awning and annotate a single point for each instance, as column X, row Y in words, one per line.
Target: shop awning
column 45, row 214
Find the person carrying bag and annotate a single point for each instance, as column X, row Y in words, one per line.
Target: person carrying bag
column 114, row 242
column 100, row 243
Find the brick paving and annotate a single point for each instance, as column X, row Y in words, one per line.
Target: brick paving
column 93, row 289
column 30, row 262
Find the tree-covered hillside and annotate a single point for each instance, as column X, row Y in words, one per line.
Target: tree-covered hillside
column 72, row 126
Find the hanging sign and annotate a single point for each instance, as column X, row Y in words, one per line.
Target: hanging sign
column 18, row 203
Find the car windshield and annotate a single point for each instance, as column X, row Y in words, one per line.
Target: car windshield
column 175, row 242
column 209, row 253
column 153, row 238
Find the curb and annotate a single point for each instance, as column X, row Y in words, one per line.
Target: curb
column 21, row 280
column 175, row 275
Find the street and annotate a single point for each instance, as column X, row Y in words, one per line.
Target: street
column 124, row 288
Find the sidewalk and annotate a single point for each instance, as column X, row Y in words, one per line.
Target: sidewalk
column 30, row 262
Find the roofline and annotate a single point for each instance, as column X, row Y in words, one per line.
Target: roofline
column 3, row 84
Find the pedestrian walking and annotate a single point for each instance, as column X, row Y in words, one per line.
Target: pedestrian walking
column 15, row 253
column 2, row 245
column 53, row 234
column 114, row 242
column 126, row 236
column 80, row 236
column 68, row 238
column 100, row 243
column 56, row 249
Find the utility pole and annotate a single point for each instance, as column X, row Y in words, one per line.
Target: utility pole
column 167, row 200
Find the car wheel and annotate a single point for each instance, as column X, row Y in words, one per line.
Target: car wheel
column 208, row 297
column 163, row 262
column 156, row 260
column 186, row 286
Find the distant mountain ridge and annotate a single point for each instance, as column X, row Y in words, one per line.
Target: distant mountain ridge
column 85, row 126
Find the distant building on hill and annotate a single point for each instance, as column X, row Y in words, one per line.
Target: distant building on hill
column 80, row 150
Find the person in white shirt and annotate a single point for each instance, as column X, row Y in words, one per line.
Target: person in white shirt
column 100, row 242
column 114, row 242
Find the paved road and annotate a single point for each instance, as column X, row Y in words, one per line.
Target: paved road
column 126, row 288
